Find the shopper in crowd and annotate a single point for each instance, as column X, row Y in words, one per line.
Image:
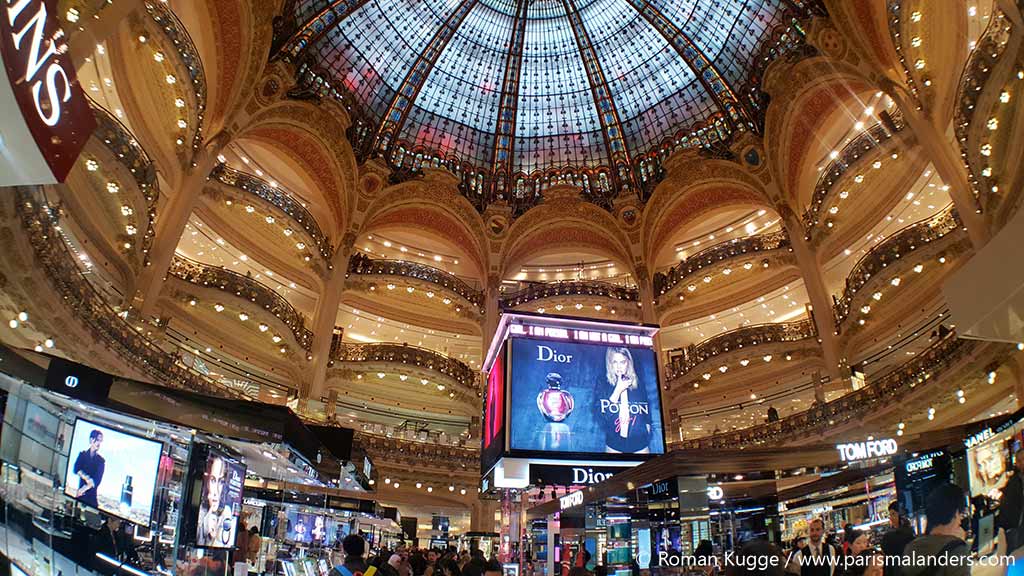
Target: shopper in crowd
column 417, row 563
column 107, row 541
column 773, row 414
column 432, row 557
column 819, row 557
column 753, row 560
column 493, row 568
column 476, row 564
column 450, row 567
column 463, row 559
column 354, row 564
column 793, row 558
column 1011, row 505
column 703, row 556
column 849, row 535
column 579, row 571
column 944, row 509
column 255, row 542
column 896, row 538
column 241, row 551
column 395, row 562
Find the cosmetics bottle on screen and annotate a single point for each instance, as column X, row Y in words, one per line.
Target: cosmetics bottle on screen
column 126, row 495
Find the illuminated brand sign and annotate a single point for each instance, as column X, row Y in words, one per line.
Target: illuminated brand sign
column 919, row 465
column 570, row 500
column 865, row 450
column 555, row 475
column 71, row 381
column 975, row 439
column 572, row 335
column 715, row 492
column 43, row 92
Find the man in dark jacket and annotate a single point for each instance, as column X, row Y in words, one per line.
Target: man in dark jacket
column 818, row 558
column 896, row 537
column 1011, row 506
column 942, row 549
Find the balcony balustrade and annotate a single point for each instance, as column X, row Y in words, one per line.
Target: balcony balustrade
column 745, row 337
column 279, row 199
column 748, row 246
column 244, row 287
column 885, row 254
column 91, row 308
column 364, row 265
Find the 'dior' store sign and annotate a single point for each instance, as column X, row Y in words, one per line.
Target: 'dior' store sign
column 45, row 119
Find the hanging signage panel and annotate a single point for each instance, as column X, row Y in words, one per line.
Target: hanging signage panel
column 45, row 119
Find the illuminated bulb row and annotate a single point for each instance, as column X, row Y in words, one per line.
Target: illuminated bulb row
column 744, row 362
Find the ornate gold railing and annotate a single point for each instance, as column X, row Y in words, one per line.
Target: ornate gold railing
column 870, row 139
column 278, row 198
column 541, row 290
column 744, row 337
column 89, row 306
column 664, row 282
column 980, row 64
column 364, row 265
column 884, row 391
column 892, row 249
column 189, row 55
column 120, row 141
column 412, row 451
column 244, row 287
column 406, row 354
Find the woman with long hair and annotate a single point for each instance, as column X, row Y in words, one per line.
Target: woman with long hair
column 625, row 412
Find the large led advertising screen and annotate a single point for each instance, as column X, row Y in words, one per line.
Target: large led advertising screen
column 113, row 471
column 584, row 397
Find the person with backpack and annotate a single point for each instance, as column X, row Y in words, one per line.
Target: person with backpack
column 354, row 564
column 944, row 509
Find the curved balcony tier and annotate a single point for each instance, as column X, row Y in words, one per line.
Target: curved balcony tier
column 415, row 452
column 186, row 51
column 362, row 265
column 280, row 200
column 746, row 337
column 385, row 353
column 588, row 288
column 717, row 255
column 908, row 240
column 851, row 156
column 887, row 390
column 90, row 306
column 976, row 97
column 120, row 141
column 246, row 288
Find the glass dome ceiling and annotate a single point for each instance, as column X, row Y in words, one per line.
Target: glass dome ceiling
column 508, row 91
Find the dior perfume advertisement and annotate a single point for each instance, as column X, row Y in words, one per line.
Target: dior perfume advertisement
column 584, row 398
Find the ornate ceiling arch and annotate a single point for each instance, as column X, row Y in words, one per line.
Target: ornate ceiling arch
column 564, row 221
column 234, row 40
column 695, row 186
column 432, row 205
column 804, row 93
column 311, row 138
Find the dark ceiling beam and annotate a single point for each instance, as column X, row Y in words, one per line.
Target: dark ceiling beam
column 505, row 130
column 405, row 96
column 307, row 32
column 714, row 84
column 607, row 113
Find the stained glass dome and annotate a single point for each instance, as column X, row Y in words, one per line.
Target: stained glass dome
column 506, row 92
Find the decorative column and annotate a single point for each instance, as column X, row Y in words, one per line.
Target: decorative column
column 87, row 34
column 326, row 315
column 820, row 300
column 170, row 224
column 491, row 313
column 946, row 160
column 482, row 516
